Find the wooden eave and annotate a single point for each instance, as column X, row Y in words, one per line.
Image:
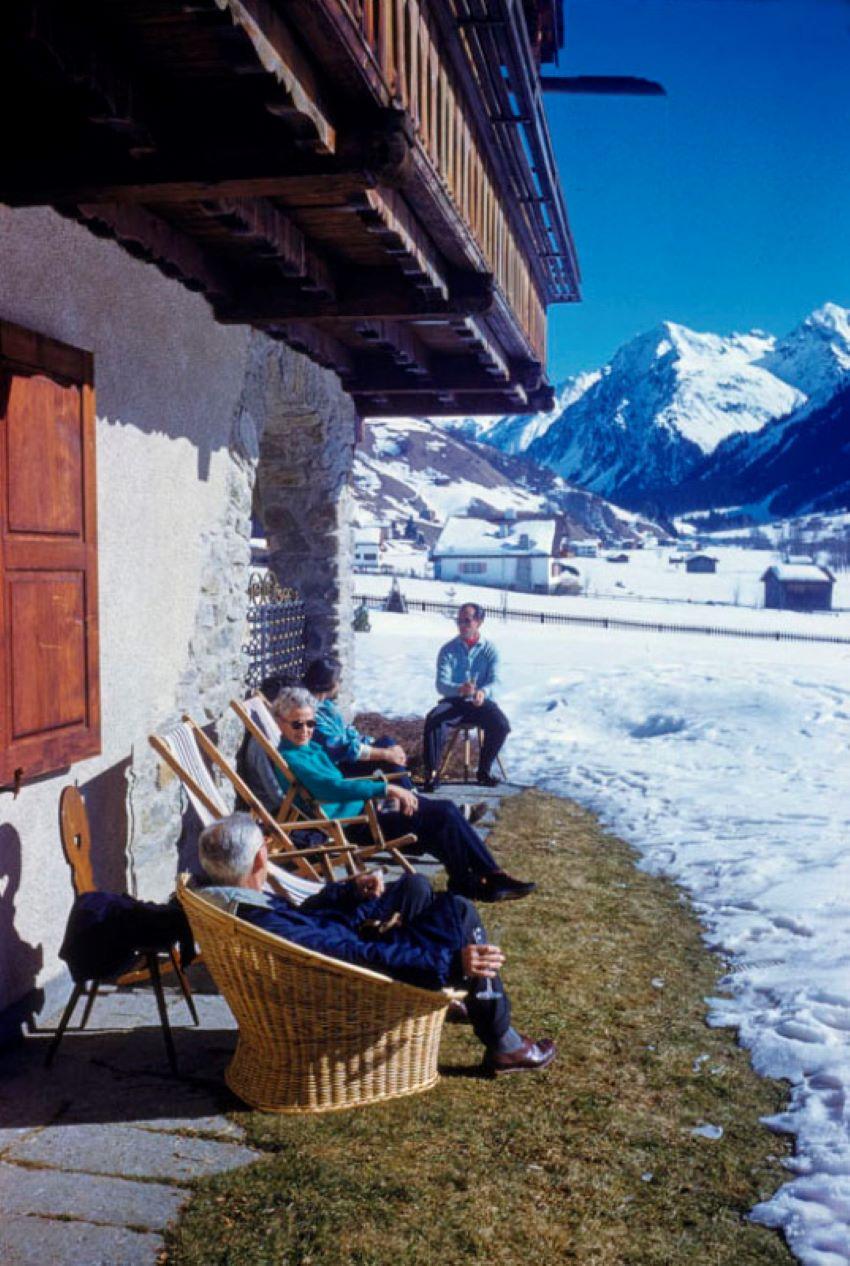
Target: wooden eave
column 251, row 150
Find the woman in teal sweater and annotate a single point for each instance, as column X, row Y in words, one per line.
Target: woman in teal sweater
column 440, row 828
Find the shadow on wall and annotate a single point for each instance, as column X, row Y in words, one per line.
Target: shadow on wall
column 105, row 798
column 20, row 962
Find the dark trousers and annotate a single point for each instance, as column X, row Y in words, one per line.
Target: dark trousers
column 450, row 713
column 365, row 768
column 411, row 896
column 443, row 831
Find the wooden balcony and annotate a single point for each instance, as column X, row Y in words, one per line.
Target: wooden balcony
column 369, row 180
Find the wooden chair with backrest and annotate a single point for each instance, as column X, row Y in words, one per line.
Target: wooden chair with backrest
column 76, row 842
column 465, row 731
column 181, row 750
column 315, row 1034
column 255, row 715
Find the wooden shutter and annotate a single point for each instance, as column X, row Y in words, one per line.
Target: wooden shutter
column 49, row 691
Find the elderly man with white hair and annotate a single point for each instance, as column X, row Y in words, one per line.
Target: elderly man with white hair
column 404, row 930
column 439, row 826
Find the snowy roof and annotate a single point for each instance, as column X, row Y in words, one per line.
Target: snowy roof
column 367, row 535
column 476, row 538
column 797, row 572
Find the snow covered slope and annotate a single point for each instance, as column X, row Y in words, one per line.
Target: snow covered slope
column 815, row 357
column 412, row 467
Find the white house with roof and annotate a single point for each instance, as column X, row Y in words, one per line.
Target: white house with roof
column 367, row 547
column 508, row 554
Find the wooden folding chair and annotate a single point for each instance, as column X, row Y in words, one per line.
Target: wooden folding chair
column 255, row 715
column 76, row 842
column 465, row 731
column 180, row 749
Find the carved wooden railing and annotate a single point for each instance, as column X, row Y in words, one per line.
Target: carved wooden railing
column 401, row 41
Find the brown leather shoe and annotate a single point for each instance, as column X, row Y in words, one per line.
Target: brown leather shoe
column 526, row 1058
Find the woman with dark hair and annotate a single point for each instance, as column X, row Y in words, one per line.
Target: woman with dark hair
column 353, row 753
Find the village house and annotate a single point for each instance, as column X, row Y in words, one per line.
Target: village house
column 521, row 554
column 703, row 564
column 367, row 548
column 798, row 587
column 228, row 230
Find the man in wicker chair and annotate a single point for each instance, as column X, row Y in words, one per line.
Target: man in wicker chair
column 404, row 930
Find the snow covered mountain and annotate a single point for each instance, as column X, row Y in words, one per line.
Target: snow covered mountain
column 794, row 466
column 673, row 407
column 515, row 434
column 814, row 357
column 413, row 467
column 667, row 398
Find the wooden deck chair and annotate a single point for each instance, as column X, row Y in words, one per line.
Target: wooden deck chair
column 255, row 715
column 315, row 1034
column 180, row 749
column 76, row 842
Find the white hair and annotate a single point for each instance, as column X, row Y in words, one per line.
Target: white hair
column 292, row 697
column 227, row 848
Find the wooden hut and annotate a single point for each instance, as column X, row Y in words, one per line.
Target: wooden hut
column 798, row 587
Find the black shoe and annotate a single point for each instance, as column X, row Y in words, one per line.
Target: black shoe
column 487, row 780
column 499, row 886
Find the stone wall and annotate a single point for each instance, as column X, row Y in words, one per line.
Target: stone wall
column 305, row 459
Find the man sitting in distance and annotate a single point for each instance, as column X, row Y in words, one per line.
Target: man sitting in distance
column 467, row 673
column 435, row 940
column 439, row 826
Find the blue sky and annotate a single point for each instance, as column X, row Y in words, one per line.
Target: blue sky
column 724, row 206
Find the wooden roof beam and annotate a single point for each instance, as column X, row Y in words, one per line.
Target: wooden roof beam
column 399, row 341
column 450, row 374
column 150, row 238
column 273, row 236
column 438, row 404
column 361, row 293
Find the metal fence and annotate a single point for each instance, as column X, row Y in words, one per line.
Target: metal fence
column 599, row 622
column 276, row 622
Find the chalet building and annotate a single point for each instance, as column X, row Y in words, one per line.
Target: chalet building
column 520, row 554
column 229, row 229
column 798, row 587
column 367, row 548
column 701, row 564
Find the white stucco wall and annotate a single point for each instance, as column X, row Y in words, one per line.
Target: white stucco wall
column 171, row 387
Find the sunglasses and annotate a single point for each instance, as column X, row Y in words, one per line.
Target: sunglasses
column 301, row 725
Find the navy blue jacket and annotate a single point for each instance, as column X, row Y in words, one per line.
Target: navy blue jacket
column 425, row 951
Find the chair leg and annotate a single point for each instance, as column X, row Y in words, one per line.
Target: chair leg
column 184, row 984
column 447, row 752
column 76, row 993
column 167, row 1036
column 90, row 1000
column 467, row 755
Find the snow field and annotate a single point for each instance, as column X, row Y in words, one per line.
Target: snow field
column 725, row 764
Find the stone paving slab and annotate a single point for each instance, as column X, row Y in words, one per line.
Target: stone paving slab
column 128, row 1151
column 35, row 1241
column 54, row 1193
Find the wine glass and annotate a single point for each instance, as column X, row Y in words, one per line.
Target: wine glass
column 489, row 991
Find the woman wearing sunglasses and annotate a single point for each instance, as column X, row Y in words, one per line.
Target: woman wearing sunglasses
column 439, row 826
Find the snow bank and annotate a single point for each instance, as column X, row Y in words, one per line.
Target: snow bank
column 725, row 765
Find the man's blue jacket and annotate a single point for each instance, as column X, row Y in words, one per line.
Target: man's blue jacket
column 424, row 952
column 457, row 663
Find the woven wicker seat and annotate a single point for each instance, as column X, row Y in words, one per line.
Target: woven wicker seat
column 315, row 1034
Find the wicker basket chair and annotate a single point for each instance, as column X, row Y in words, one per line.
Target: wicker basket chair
column 315, row 1034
